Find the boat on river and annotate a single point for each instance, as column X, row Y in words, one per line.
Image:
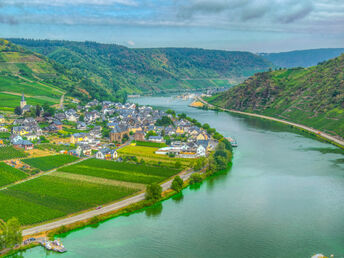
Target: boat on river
column 55, row 245
column 233, row 142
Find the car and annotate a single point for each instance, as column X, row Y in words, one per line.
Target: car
column 99, row 207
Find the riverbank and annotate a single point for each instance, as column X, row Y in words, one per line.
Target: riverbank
column 51, row 231
column 329, row 138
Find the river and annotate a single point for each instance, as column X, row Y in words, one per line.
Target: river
column 283, row 197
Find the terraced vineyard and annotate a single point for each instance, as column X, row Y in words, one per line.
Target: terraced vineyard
column 50, row 162
column 9, row 174
column 11, row 153
column 49, row 197
column 134, row 173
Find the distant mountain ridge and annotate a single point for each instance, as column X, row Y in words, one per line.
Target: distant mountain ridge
column 150, row 70
column 302, row 58
column 311, row 96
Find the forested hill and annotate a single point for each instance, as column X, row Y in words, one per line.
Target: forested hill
column 302, row 58
column 311, row 96
column 150, row 70
column 40, row 79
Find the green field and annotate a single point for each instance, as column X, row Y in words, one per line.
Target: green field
column 9, row 100
column 135, row 173
column 11, row 153
column 9, row 174
column 148, row 154
column 49, row 197
column 50, row 162
column 150, row 144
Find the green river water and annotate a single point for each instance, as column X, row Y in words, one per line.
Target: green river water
column 283, row 197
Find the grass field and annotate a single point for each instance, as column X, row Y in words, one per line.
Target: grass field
column 11, row 153
column 148, row 154
column 150, row 144
column 49, row 197
column 50, row 162
column 9, row 174
column 9, row 100
column 135, row 173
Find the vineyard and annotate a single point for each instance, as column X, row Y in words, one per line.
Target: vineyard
column 11, row 153
column 50, row 162
column 135, row 173
column 9, row 174
column 49, row 197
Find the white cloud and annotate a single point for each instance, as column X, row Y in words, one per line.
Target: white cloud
column 131, row 43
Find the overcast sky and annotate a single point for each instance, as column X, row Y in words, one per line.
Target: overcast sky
column 253, row 25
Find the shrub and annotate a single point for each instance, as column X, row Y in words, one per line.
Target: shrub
column 195, row 178
column 153, row 191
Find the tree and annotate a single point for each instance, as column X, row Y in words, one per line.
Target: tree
column 153, row 191
column 177, row 184
column 195, row 178
column 38, row 110
column 82, row 118
column 18, row 111
column 14, row 234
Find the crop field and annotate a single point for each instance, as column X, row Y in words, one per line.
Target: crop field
column 148, row 154
column 50, row 162
column 135, row 173
column 9, row 174
column 49, row 197
column 11, row 153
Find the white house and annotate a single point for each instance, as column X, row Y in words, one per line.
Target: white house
column 107, row 154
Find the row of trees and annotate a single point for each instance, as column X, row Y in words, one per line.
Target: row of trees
column 37, row 111
column 10, row 233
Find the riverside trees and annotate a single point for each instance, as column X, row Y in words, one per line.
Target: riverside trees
column 10, row 233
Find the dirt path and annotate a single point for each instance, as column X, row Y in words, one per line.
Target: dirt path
column 306, row 128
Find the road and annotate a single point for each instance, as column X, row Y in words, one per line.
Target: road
column 306, row 128
column 93, row 213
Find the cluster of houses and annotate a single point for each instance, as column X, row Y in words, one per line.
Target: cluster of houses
column 100, row 126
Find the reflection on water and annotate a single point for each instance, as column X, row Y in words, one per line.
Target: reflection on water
column 178, row 197
column 154, row 211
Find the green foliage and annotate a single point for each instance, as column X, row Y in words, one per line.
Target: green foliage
column 177, row 184
column 195, row 178
column 11, row 153
column 49, row 162
column 313, row 97
column 164, row 121
column 153, row 191
column 10, row 233
column 10, row 174
column 156, row 70
column 150, row 133
column 18, row 111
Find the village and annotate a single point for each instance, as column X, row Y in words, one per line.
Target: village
column 99, row 128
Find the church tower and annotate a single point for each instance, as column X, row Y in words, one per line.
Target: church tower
column 22, row 102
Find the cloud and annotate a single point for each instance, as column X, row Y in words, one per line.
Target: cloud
column 67, row 2
column 130, row 43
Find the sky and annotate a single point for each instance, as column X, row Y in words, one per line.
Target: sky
column 245, row 25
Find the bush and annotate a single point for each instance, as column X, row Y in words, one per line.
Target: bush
column 195, row 178
column 177, row 184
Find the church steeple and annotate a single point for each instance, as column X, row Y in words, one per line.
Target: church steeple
column 22, row 102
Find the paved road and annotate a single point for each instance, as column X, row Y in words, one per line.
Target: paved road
column 93, row 213
column 309, row 129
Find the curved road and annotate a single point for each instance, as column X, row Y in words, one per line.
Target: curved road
column 93, row 213
column 309, row 129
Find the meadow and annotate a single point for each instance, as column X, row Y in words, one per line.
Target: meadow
column 9, row 100
column 135, row 173
column 49, row 197
column 150, row 144
column 9, row 174
column 11, row 153
column 50, row 162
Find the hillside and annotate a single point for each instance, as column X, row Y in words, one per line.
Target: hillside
column 302, row 58
column 311, row 96
column 40, row 79
column 150, row 70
